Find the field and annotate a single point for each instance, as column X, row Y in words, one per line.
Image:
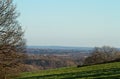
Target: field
column 101, row 71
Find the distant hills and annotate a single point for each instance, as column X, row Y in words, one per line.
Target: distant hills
column 57, row 50
column 60, row 47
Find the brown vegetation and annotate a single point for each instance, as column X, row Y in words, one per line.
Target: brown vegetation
column 48, row 62
column 11, row 39
column 102, row 55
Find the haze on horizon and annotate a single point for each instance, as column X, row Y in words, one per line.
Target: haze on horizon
column 83, row 23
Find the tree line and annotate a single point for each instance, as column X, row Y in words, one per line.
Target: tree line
column 103, row 54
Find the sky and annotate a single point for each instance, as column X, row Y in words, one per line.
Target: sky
column 83, row 23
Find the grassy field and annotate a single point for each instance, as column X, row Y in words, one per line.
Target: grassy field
column 101, row 71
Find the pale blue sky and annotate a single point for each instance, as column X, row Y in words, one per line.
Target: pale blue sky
column 70, row 22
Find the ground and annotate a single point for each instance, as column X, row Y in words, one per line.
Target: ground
column 101, row 71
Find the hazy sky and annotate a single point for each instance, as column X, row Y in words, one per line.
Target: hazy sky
column 70, row 22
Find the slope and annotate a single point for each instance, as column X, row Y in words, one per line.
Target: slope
column 101, row 71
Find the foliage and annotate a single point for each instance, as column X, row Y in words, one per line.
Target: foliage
column 49, row 61
column 12, row 43
column 102, row 54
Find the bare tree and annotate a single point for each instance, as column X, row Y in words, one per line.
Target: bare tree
column 12, row 44
column 102, row 54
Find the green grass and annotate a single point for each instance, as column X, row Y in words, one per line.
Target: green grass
column 101, row 71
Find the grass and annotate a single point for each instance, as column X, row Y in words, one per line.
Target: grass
column 101, row 71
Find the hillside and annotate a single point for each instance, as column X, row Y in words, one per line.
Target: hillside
column 101, row 71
